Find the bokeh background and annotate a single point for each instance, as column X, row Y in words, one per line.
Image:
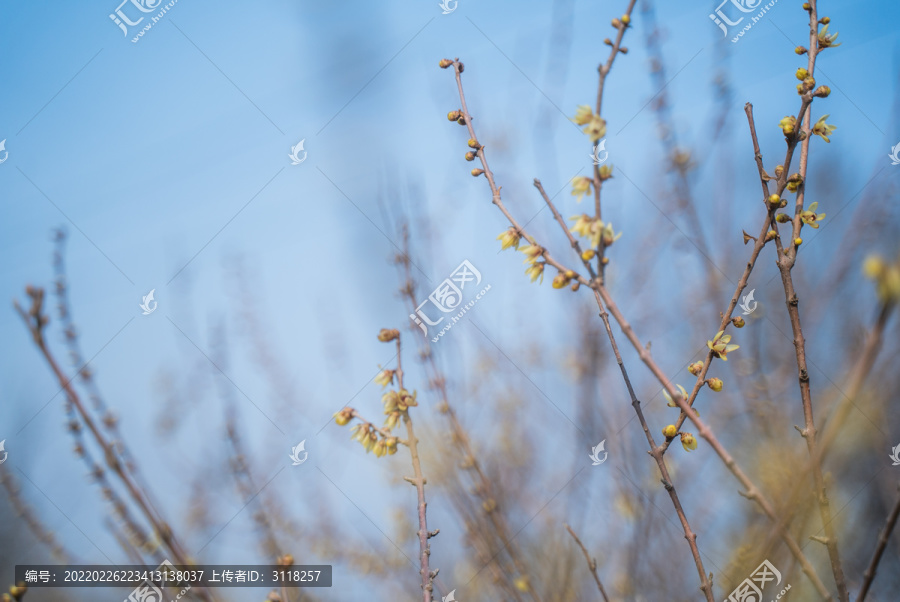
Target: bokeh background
column 166, row 163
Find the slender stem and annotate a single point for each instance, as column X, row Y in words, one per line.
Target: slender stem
column 591, row 562
column 883, row 537
column 419, row 482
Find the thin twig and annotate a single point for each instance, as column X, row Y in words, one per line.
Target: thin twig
column 879, row 550
column 591, row 562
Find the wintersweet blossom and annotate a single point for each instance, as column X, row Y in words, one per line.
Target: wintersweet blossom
column 720, row 345
column 823, row 129
column 810, row 217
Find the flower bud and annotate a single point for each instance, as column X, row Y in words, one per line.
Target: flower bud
column 782, row 218
column 800, row 50
column 615, row 23
column 470, row 156
column 771, row 235
column 801, row 74
column 738, row 322
column 695, row 368
column 575, row 286
column 445, row 63
column 779, row 169
column 477, row 172
column 386, row 335
column 474, row 144
column 822, row 92
column 824, row 20
column 626, row 19
column 715, row 384
column 453, row 115
column 670, row 431
column 343, row 417
column 798, row 241
column 588, row 255
column 774, row 199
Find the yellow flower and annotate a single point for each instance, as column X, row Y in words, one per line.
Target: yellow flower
column 532, row 252
column 606, row 171
column 391, row 401
column 788, row 125
column 672, row 403
column 688, row 442
column 826, row 40
column 596, row 129
column 823, row 129
column 873, row 266
column 609, row 237
column 810, row 217
column 720, row 345
column 670, row 431
column 583, row 115
column 580, row 187
column 391, row 421
column 561, row 280
column 715, row 384
column 385, row 378
column 536, row 269
column 510, row 238
column 583, row 224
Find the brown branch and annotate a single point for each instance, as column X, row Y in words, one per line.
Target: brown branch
column 591, row 562
column 36, row 321
column 419, row 482
column 689, row 535
column 879, row 550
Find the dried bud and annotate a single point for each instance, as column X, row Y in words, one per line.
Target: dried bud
column 738, row 322
column 623, row 49
column 461, row 67
column 386, row 335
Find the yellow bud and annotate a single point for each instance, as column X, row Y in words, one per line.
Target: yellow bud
column 570, row 274
column 477, row 172
column 474, row 144
column 387, row 335
column 798, row 241
column 615, row 23
column 695, row 368
column 575, row 285
column 343, row 417
column 801, row 74
column 470, row 156
column 445, row 63
column 774, row 199
column 824, row 20
column 453, row 115
column 588, row 255
column 782, row 218
column 738, row 322
column 626, row 19
column 715, row 384
column 670, row 431
column 800, row 50
column 560, row 280
column 771, row 235
column 605, row 260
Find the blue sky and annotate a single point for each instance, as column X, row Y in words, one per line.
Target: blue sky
column 167, row 162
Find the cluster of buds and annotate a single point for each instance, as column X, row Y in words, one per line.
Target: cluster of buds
column 16, row 592
column 688, row 441
column 374, row 441
column 886, row 277
column 563, row 279
column 595, row 126
column 595, row 230
column 807, row 81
